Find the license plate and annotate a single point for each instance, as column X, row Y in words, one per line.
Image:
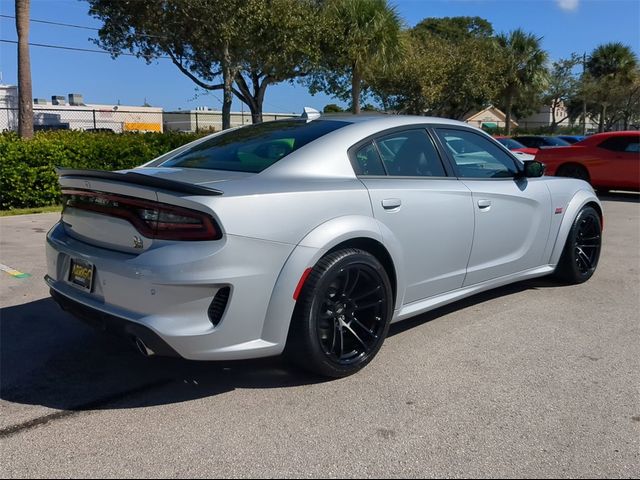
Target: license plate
column 81, row 274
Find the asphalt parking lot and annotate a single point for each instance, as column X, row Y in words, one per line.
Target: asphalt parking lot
column 531, row 380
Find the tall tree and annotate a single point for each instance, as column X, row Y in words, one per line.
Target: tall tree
column 25, row 102
column 561, row 88
column 360, row 33
column 523, row 67
column 441, row 76
column 455, row 28
column 610, row 67
column 237, row 46
column 281, row 43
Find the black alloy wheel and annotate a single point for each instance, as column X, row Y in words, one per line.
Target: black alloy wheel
column 582, row 250
column 343, row 313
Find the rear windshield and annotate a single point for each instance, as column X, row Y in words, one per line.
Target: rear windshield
column 557, row 142
column 254, row 147
column 510, row 143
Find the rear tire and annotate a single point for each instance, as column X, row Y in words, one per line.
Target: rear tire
column 342, row 315
column 582, row 250
column 573, row 170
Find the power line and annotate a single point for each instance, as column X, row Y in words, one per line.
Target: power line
column 48, row 22
column 71, row 25
column 75, row 49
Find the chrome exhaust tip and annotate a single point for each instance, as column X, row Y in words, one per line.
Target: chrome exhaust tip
column 142, row 348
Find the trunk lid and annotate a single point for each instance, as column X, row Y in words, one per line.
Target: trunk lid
column 121, row 210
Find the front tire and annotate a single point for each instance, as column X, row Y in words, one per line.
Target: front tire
column 582, row 250
column 342, row 316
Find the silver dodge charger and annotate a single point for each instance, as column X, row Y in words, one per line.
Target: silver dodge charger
column 310, row 236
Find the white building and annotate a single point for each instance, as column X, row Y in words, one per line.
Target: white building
column 74, row 114
column 203, row 119
column 544, row 117
column 8, row 107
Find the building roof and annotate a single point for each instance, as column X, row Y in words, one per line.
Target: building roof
column 476, row 115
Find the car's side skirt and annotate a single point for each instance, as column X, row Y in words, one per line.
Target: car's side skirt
column 422, row 306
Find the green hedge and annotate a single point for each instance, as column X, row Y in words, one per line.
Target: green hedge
column 27, row 167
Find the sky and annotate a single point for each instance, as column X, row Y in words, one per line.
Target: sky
column 565, row 26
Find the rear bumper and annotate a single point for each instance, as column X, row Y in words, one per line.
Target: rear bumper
column 112, row 324
column 165, row 293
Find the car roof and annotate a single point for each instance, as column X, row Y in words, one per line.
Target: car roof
column 596, row 138
column 391, row 119
column 327, row 155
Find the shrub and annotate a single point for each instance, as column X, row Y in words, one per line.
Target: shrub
column 27, row 167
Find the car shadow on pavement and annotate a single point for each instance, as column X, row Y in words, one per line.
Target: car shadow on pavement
column 50, row 359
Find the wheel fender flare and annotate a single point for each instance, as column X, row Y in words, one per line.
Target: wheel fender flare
column 306, row 254
column 577, row 202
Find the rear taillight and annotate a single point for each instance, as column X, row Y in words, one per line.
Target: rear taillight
column 152, row 219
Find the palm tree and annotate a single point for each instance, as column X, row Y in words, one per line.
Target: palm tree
column 609, row 65
column 368, row 32
column 25, row 105
column 524, row 67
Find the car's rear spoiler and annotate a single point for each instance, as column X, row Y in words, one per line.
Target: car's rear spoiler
column 138, row 179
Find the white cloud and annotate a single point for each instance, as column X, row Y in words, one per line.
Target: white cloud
column 568, row 5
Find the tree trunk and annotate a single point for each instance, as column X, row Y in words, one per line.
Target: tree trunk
column 256, row 111
column 355, row 90
column 25, row 102
column 509, row 104
column 603, row 111
column 227, row 97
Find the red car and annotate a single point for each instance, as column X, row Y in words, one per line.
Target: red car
column 606, row 160
column 515, row 146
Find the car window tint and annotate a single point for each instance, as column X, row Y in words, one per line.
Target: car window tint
column 634, row 146
column 621, row 144
column 510, row 143
column 410, row 153
column 254, row 147
column 556, row 142
column 368, row 161
column 476, row 156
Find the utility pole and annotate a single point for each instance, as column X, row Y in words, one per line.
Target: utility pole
column 584, row 95
column 25, row 102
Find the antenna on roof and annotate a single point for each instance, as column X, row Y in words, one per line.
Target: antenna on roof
column 310, row 113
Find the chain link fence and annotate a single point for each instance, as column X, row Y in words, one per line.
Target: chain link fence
column 145, row 119
column 151, row 119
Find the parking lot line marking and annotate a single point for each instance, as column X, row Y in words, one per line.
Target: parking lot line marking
column 13, row 272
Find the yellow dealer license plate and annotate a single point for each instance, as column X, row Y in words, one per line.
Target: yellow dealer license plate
column 81, row 274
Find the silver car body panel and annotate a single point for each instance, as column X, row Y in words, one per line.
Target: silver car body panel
column 281, row 221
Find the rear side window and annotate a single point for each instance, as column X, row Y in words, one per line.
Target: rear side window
column 368, row 161
column 253, row 148
column 410, row 153
column 621, row 144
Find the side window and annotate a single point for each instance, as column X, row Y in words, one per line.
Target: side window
column 476, row 156
column 621, row 144
column 410, row 153
column 633, row 146
column 368, row 161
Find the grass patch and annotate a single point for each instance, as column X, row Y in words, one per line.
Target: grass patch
column 27, row 211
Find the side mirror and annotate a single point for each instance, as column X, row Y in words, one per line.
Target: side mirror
column 533, row 169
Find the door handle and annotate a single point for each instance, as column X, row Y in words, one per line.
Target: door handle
column 484, row 204
column 391, row 203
